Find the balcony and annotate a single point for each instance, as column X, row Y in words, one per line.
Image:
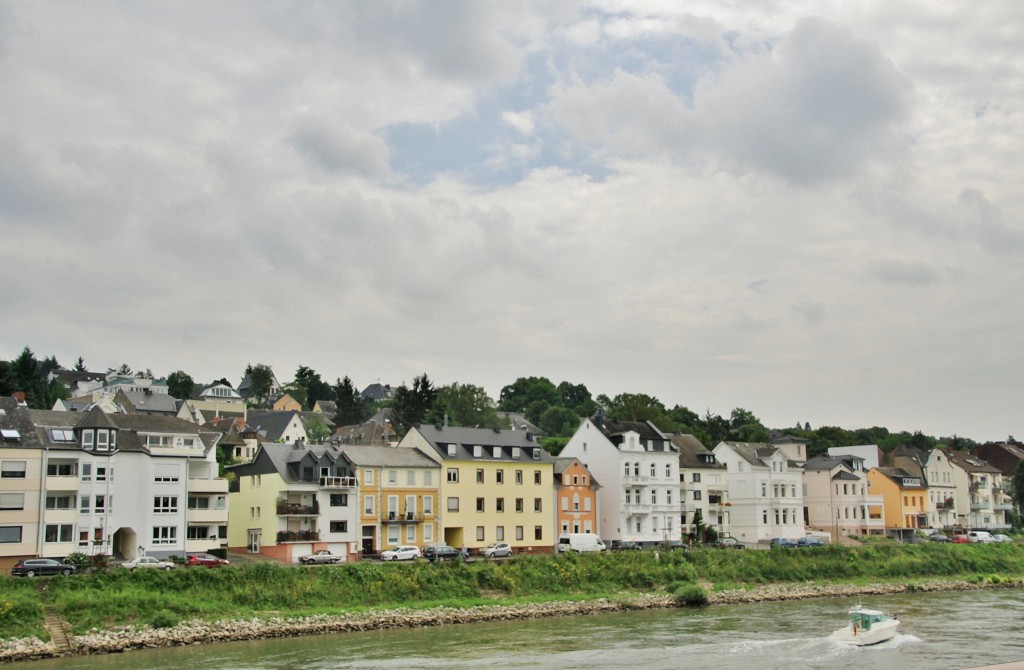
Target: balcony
column 637, row 479
column 978, row 506
column 338, row 483
column 401, row 517
column 295, row 509
column 207, row 516
column 298, row 536
column 61, row 483
column 218, row 485
column 1003, row 507
column 944, row 505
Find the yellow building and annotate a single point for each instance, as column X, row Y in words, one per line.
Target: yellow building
column 399, row 490
column 496, row 486
column 904, row 497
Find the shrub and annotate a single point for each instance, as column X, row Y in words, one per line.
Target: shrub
column 690, row 595
column 163, row 619
column 78, row 559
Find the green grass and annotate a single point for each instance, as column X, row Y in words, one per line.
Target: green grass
column 161, row 599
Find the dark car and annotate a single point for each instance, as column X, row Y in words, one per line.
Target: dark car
column 440, row 552
column 673, row 545
column 783, row 542
column 32, row 567
column 205, row 560
column 938, row 537
column 727, row 543
column 809, row 542
column 624, row 545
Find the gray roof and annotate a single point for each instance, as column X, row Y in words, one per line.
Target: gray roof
column 464, row 439
column 693, row 453
column 970, row 463
column 270, row 423
column 562, row 464
column 386, row 456
column 898, row 475
column 152, row 402
column 378, row 391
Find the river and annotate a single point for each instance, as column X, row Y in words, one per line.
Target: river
column 939, row 630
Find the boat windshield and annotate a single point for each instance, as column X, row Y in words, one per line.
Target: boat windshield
column 863, row 620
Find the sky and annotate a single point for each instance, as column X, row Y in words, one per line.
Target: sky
column 810, row 210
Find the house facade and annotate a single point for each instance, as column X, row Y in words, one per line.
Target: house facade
column 575, row 499
column 905, row 498
column 836, row 498
column 765, row 489
column 638, row 468
column 703, row 498
column 119, row 484
column 294, row 499
column 495, row 486
column 982, row 500
column 941, row 479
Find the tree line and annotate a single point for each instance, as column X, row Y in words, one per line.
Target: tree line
column 556, row 409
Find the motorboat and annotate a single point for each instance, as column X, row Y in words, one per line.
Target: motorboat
column 867, row 627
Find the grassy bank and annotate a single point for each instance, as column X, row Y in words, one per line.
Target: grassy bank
column 163, row 599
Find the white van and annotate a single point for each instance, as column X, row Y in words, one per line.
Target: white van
column 579, row 542
column 980, row 536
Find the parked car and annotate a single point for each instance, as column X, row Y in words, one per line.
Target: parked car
column 401, row 553
column 205, row 561
column 980, row 536
column 809, row 542
column 960, row 539
column 321, row 556
column 147, row 562
column 624, row 545
column 440, row 552
column 673, row 545
column 727, row 543
column 579, row 542
column 497, row 550
column 33, row 567
column 938, row 537
column 999, row 537
column 783, row 542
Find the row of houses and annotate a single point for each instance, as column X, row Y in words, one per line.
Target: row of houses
column 122, row 484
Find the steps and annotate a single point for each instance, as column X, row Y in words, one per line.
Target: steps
column 59, row 630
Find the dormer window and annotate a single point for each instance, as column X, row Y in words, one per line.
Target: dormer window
column 451, row 449
column 496, row 452
column 478, row 451
column 515, row 452
column 536, row 454
column 88, row 437
column 102, row 440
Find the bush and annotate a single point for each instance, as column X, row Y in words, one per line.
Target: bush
column 163, row 619
column 78, row 559
column 690, row 595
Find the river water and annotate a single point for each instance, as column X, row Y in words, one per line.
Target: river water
column 939, row 630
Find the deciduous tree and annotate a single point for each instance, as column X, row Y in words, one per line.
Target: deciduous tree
column 180, row 385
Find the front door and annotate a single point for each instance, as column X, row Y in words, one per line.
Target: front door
column 255, row 536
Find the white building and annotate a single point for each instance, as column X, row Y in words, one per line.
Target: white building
column 940, row 475
column 765, row 490
column 837, row 499
column 638, row 468
column 702, row 488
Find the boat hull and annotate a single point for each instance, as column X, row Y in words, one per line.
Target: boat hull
column 879, row 632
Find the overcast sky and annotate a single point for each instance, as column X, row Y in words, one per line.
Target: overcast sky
column 809, row 210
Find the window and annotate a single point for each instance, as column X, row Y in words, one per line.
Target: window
column 165, row 534
column 87, row 438
column 636, row 469
column 428, row 478
column 410, row 534
column 101, row 474
column 537, row 505
column 166, row 473
column 59, row 532
column 576, row 503
column 500, row 476
column 499, row 533
column 83, row 504
column 584, row 480
column 198, row 533
column 451, row 449
column 392, row 477
column 538, row 533
column 668, row 496
column 86, row 472
column 368, row 505
column 536, row 477
column 393, row 533
column 101, row 504
column 410, row 478
column 764, row 489
column 586, row 505
column 12, row 501
column 696, row 495
column 696, row 477
column 58, row 469
column 519, row 533
column 565, row 504
column 12, row 470
column 499, row 505
column 626, row 467
column 428, row 505
column 428, row 534
column 668, row 470
column 519, row 476
column 453, row 475
column 519, row 504
column 103, row 441
column 575, row 480
column 453, row 504
column 165, row 504
column 654, row 470
column 199, row 502
column 368, row 477
column 479, row 504
column 479, row 476
column 62, row 435
column 339, row 500
column 10, row 534
column 60, row 501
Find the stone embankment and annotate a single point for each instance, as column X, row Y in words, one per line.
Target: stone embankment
column 196, row 632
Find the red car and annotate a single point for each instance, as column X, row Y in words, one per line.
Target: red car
column 205, row 560
column 960, row 539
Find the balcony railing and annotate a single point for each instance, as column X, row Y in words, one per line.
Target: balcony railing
column 295, row 509
column 339, row 482
column 946, row 504
column 298, row 536
column 401, row 517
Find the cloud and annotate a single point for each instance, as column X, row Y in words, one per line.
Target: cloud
column 902, row 272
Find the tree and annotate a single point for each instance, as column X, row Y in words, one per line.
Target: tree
column 637, row 407
column 516, row 397
column 745, row 427
column 316, row 428
column 125, row 369
column 411, row 406
column 180, row 385
column 577, row 398
column 559, row 421
column 465, row 405
column 351, row 408
column 313, row 387
column 80, row 365
column 261, row 377
column 26, row 375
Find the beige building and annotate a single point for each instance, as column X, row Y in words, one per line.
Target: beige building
column 836, row 498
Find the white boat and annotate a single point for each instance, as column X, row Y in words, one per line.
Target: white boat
column 867, row 627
